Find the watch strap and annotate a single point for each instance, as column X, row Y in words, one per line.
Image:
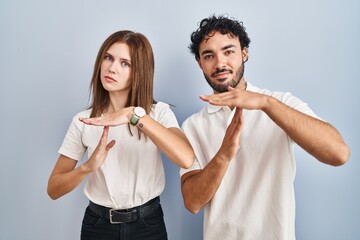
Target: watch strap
column 134, row 119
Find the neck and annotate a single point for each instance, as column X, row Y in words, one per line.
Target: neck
column 117, row 102
column 242, row 84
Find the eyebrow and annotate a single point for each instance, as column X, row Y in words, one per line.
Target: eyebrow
column 222, row 49
column 228, row 46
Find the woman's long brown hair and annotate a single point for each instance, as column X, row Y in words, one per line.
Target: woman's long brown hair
column 142, row 73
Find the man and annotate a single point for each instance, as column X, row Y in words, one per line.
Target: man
column 243, row 141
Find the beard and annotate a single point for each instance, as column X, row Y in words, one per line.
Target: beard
column 223, row 87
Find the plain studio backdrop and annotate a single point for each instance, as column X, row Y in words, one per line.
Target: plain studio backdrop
column 48, row 49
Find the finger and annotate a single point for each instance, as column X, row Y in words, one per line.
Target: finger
column 237, row 121
column 91, row 121
column 224, row 95
column 110, row 145
column 226, row 99
column 239, row 115
column 230, row 89
column 221, row 100
column 204, row 98
column 85, row 120
column 215, row 99
column 104, row 136
column 238, row 112
column 106, row 131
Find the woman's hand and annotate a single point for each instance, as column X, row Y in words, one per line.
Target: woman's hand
column 65, row 177
column 99, row 155
column 111, row 119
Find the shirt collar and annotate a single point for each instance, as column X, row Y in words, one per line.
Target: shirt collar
column 212, row 108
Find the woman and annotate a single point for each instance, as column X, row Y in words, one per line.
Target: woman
column 125, row 174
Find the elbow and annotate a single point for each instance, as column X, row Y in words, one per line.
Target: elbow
column 191, row 207
column 52, row 194
column 187, row 157
column 340, row 157
column 53, row 197
column 190, row 160
column 187, row 161
column 187, row 164
column 193, row 210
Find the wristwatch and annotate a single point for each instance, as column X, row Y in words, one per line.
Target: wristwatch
column 139, row 112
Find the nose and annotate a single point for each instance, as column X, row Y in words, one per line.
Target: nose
column 112, row 67
column 220, row 62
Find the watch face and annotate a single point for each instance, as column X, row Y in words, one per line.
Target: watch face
column 139, row 111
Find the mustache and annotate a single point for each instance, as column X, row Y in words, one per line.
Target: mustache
column 220, row 71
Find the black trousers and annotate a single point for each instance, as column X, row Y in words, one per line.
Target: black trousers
column 151, row 227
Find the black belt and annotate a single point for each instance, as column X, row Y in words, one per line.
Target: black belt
column 126, row 215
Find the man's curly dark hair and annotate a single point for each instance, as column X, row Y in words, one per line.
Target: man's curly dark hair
column 224, row 25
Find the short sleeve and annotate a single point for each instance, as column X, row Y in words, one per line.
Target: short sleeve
column 72, row 145
column 188, row 130
column 162, row 113
column 294, row 102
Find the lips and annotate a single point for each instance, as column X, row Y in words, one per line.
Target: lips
column 221, row 73
column 110, row 79
column 221, row 77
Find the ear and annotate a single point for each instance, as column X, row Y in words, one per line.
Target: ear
column 245, row 54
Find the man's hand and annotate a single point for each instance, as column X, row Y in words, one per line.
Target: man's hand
column 231, row 141
column 237, row 98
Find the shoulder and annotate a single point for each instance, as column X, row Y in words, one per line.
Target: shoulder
column 287, row 98
column 160, row 106
column 75, row 119
column 162, row 113
column 196, row 117
column 281, row 96
column 85, row 114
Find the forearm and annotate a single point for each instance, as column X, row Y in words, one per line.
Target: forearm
column 62, row 183
column 318, row 138
column 170, row 141
column 65, row 177
column 199, row 187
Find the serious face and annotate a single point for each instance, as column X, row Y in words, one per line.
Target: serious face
column 116, row 68
column 222, row 61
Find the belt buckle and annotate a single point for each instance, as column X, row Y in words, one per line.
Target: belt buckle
column 111, row 217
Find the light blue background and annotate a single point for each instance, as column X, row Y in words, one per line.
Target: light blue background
column 47, row 51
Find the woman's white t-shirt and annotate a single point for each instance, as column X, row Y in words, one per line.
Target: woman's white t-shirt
column 133, row 172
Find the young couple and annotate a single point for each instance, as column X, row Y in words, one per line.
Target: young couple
column 236, row 154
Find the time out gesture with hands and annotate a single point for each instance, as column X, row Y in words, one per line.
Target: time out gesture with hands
column 299, row 126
